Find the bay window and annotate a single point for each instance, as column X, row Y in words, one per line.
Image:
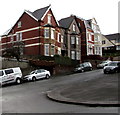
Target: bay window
column 46, row 33
column 72, row 54
column 46, row 49
column 52, row 34
column 52, row 50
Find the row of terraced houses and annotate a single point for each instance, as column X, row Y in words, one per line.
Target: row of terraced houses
column 41, row 34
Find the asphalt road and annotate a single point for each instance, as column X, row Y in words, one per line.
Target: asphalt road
column 31, row 97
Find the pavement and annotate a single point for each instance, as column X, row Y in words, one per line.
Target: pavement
column 102, row 91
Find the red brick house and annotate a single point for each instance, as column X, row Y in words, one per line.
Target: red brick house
column 81, row 25
column 91, row 39
column 37, row 31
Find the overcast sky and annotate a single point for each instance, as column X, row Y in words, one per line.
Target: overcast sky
column 105, row 11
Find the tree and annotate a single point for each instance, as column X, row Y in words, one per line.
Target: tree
column 15, row 51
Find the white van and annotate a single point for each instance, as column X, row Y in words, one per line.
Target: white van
column 10, row 75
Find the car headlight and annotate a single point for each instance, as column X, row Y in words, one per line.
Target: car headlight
column 79, row 68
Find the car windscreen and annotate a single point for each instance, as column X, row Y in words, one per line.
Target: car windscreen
column 86, row 64
column 32, row 72
column 113, row 64
column 104, row 62
column 80, row 65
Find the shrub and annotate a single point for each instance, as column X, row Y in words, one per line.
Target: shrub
column 62, row 60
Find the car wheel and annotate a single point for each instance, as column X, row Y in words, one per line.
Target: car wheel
column 47, row 76
column 82, row 70
column 18, row 81
column 34, row 79
column 116, row 71
column 91, row 69
column 105, row 72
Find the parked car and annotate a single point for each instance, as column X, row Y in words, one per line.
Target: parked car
column 10, row 75
column 86, row 66
column 103, row 64
column 112, row 67
column 37, row 74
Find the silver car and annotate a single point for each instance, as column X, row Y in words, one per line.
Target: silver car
column 103, row 64
column 37, row 74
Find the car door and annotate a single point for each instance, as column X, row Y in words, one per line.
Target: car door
column 1, row 76
column 8, row 76
column 85, row 67
column 40, row 73
column 118, row 66
column 43, row 72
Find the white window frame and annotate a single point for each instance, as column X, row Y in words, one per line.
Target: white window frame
column 61, row 38
column 74, row 27
column 46, row 49
column 73, row 55
column 95, row 50
column 77, row 40
column 118, row 47
column 72, row 39
column 58, row 37
column 49, row 18
column 19, row 24
column 18, row 36
column 59, row 51
column 52, row 34
column 46, row 33
column 52, row 50
column 78, row 55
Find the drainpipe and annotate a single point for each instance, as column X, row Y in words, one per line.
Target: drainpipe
column 39, row 37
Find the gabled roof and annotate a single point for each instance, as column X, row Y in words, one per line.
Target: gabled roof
column 109, row 42
column 113, row 36
column 94, row 20
column 38, row 14
column 66, row 22
column 88, row 23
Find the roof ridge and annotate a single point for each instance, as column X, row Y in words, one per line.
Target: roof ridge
column 41, row 8
column 65, row 18
column 39, row 13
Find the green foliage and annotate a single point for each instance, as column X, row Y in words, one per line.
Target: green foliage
column 12, row 52
column 111, row 54
column 62, row 60
column 47, row 58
